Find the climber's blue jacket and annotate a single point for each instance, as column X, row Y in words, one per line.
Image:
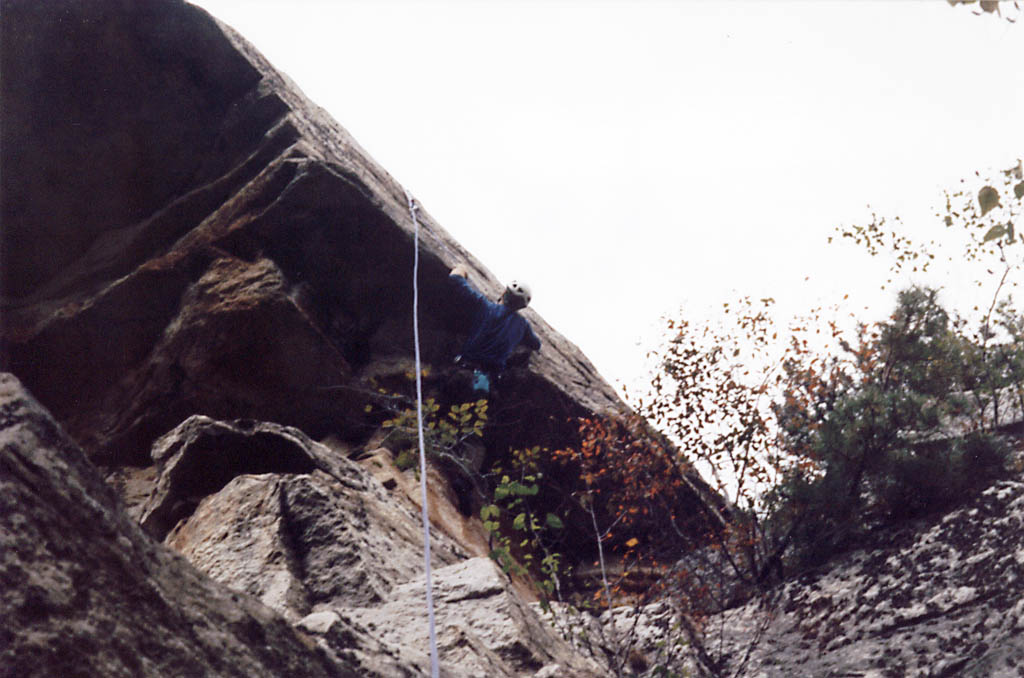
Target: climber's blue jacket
column 495, row 329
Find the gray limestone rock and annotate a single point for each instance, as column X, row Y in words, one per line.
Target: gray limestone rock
column 483, row 626
column 84, row 592
column 937, row 598
column 201, row 455
column 323, row 541
column 303, row 541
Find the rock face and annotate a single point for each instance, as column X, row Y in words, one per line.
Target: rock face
column 201, row 275
column 940, row 598
column 87, row 592
column 83, row 592
column 339, row 554
column 185, row 233
column 297, row 539
column 483, row 627
column 207, row 284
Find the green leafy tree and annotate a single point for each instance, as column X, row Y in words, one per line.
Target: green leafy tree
column 524, row 538
column 892, row 433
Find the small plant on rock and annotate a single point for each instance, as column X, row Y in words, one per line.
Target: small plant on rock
column 445, row 437
column 522, row 536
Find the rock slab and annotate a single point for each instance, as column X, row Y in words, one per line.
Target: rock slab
column 940, row 598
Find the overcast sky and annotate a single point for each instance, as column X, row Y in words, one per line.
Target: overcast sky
column 631, row 158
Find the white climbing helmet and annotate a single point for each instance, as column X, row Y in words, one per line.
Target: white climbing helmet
column 520, row 291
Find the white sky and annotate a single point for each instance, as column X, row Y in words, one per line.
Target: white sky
column 627, row 158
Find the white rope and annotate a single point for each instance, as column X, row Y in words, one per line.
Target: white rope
column 434, row 671
column 432, row 232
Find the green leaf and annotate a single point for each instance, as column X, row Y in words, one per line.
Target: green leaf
column 554, row 522
column 520, row 522
column 1018, row 190
column 988, row 199
column 489, row 511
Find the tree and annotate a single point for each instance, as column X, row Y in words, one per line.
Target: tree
column 885, row 433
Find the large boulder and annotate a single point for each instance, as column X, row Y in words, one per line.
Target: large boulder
column 324, row 542
column 201, row 455
column 297, row 537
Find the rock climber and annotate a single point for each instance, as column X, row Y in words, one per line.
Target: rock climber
column 496, row 329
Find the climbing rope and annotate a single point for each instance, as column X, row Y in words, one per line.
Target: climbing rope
column 434, row 671
column 438, row 239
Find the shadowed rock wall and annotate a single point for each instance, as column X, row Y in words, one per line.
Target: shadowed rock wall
column 184, row 232
column 189, row 247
